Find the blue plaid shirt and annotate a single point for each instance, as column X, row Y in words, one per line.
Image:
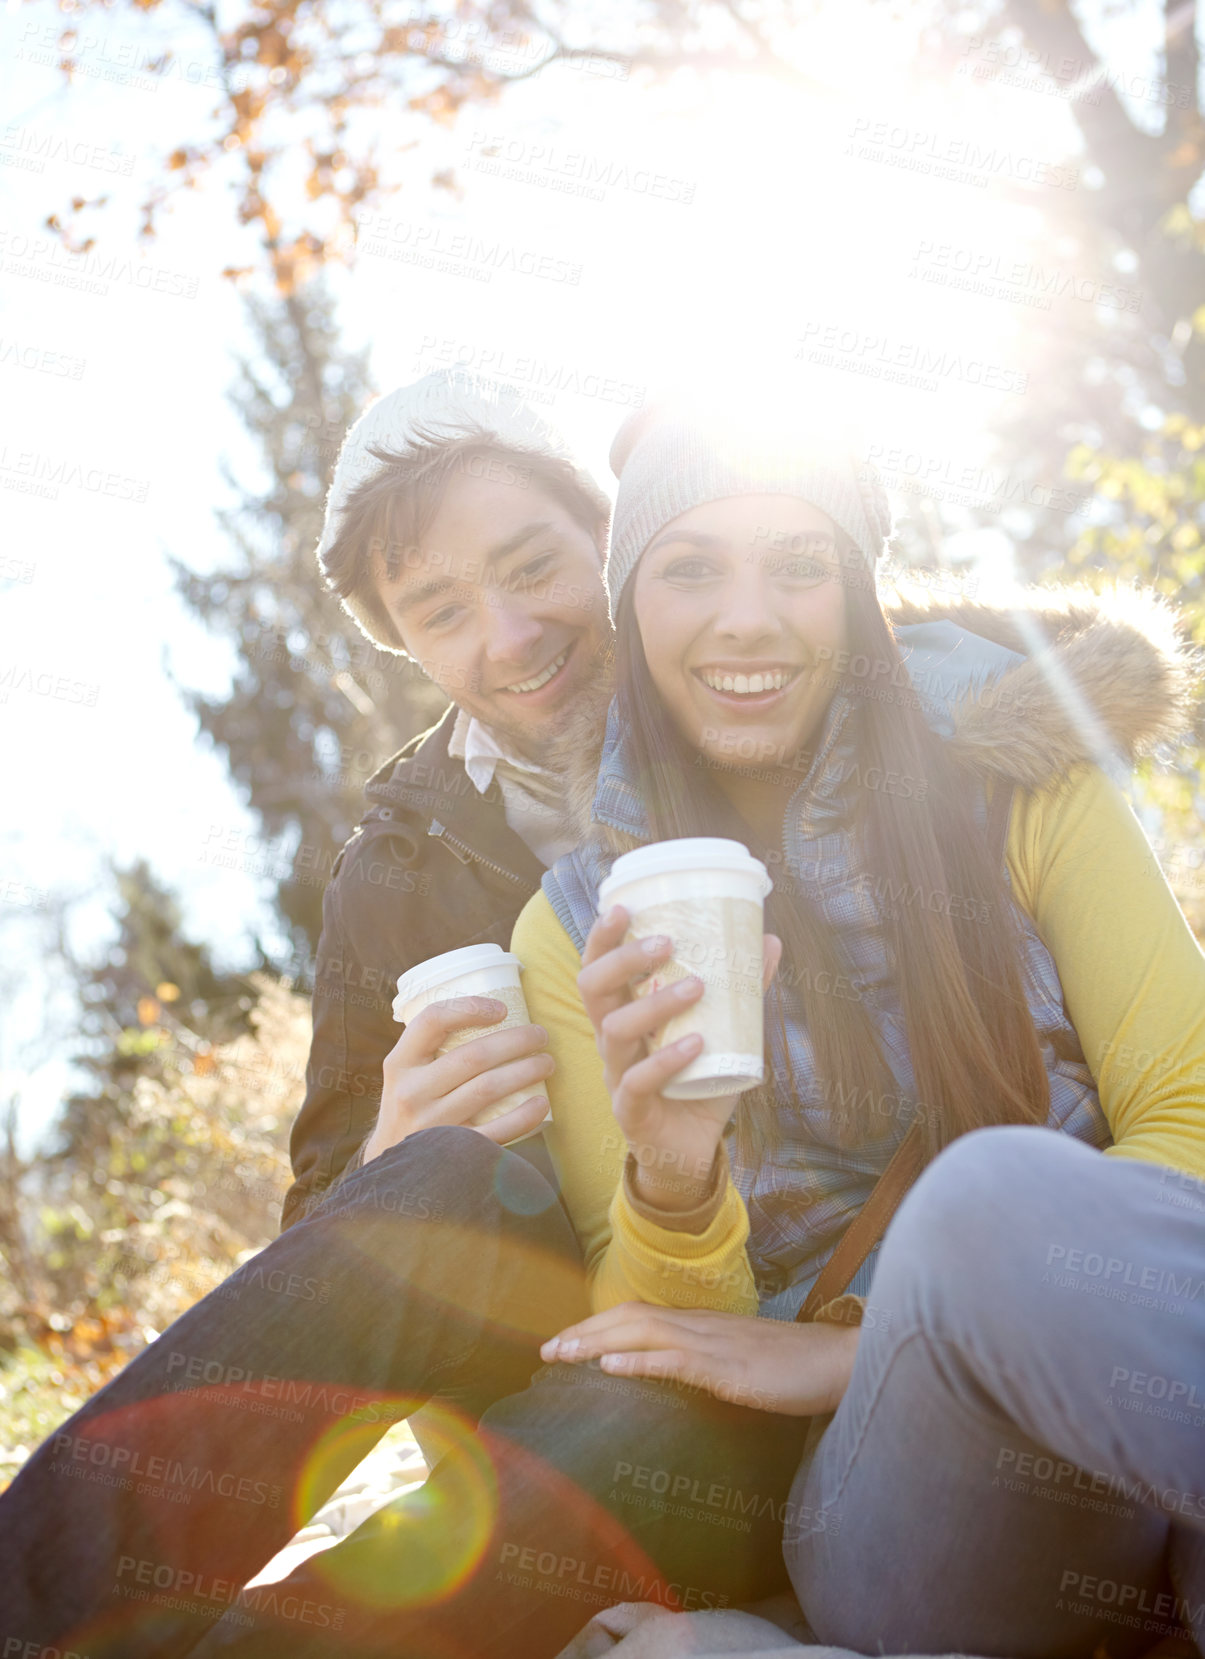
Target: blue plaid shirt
column 801, row 1203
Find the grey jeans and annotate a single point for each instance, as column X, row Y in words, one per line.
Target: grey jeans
column 1018, row 1465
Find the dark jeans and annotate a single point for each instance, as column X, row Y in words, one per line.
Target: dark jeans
column 1018, row 1464
column 431, row 1275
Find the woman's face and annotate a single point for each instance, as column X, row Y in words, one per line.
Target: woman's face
column 741, row 610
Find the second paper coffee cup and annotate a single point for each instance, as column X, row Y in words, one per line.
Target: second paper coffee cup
column 707, row 896
column 475, row 971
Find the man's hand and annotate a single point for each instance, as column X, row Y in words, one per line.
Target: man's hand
column 424, row 1089
column 674, row 1141
column 798, row 1370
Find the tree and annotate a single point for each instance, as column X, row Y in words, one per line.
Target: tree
column 1146, row 177
column 309, row 82
column 175, row 1180
column 1152, row 534
column 314, row 707
column 169, row 1164
column 306, row 81
column 1122, row 256
column 151, row 974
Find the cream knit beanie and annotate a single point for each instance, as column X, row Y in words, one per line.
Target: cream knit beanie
column 451, row 403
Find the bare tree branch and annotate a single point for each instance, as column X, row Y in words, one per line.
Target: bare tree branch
column 1127, row 157
column 1182, row 58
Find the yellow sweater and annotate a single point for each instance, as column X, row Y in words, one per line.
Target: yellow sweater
column 1133, row 978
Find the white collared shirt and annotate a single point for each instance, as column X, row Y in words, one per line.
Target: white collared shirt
column 533, row 796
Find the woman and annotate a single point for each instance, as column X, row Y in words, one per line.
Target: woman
column 998, row 1475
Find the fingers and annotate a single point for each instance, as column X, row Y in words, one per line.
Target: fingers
column 460, row 1065
column 663, row 1365
column 607, row 974
column 489, row 1087
column 678, row 1365
column 568, row 1344
column 597, row 1322
column 643, row 1082
column 633, row 1022
column 520, row 1120
column 608, row 930
column 629, row 1327
column 430, row 1029
column 609, row 966
column 422, row 1092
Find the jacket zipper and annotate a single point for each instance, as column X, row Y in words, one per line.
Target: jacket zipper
column 466, row 855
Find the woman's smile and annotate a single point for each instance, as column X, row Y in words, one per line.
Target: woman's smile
column 751, row 687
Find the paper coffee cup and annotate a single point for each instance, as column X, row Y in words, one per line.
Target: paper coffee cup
column 706, row 895
column 475, row 971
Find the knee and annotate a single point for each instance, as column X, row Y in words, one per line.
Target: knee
column 969, row 1207
column 446, row 1169
column 453, row 1171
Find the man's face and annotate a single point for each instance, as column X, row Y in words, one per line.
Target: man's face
column 502, row 604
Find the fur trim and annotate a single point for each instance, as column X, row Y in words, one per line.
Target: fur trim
column 1107, row 677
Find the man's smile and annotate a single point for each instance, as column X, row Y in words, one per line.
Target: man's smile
column 537, row 682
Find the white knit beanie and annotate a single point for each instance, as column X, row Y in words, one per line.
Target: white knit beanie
column 452, row 404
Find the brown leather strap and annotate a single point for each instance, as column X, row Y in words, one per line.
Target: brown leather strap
column 872, row 1220
column 868, row 1226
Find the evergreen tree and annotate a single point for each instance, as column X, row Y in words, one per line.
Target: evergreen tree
column 314, row 707
column 168, row 1166
column 152, row 981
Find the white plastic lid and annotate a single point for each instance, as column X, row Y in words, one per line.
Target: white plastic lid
column 440, row 970
column 694, row 852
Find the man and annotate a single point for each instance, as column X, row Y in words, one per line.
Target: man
column 461, row 534
column 457, row 532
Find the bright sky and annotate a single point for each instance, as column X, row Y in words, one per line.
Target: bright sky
column 604, row 239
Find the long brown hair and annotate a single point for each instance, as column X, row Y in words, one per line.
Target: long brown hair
column 958, row 966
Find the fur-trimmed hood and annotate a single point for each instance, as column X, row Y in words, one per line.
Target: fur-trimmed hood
column 1104, row 678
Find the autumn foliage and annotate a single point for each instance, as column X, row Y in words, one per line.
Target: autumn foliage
column 183, row 1182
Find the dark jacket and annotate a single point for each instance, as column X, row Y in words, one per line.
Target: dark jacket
column 432, row 865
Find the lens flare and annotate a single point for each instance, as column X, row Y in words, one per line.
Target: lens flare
column 497, row 1296
column 339, row 1449
column 422, row 1547
column 518, row 1192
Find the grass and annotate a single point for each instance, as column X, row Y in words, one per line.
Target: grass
column 36, row 1393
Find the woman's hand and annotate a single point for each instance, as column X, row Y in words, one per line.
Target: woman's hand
column 674, row 1141
column 424, row 1089
column 798, row 1370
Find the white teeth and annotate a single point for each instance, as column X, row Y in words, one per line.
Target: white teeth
column 541, row 679
column 746, row 685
